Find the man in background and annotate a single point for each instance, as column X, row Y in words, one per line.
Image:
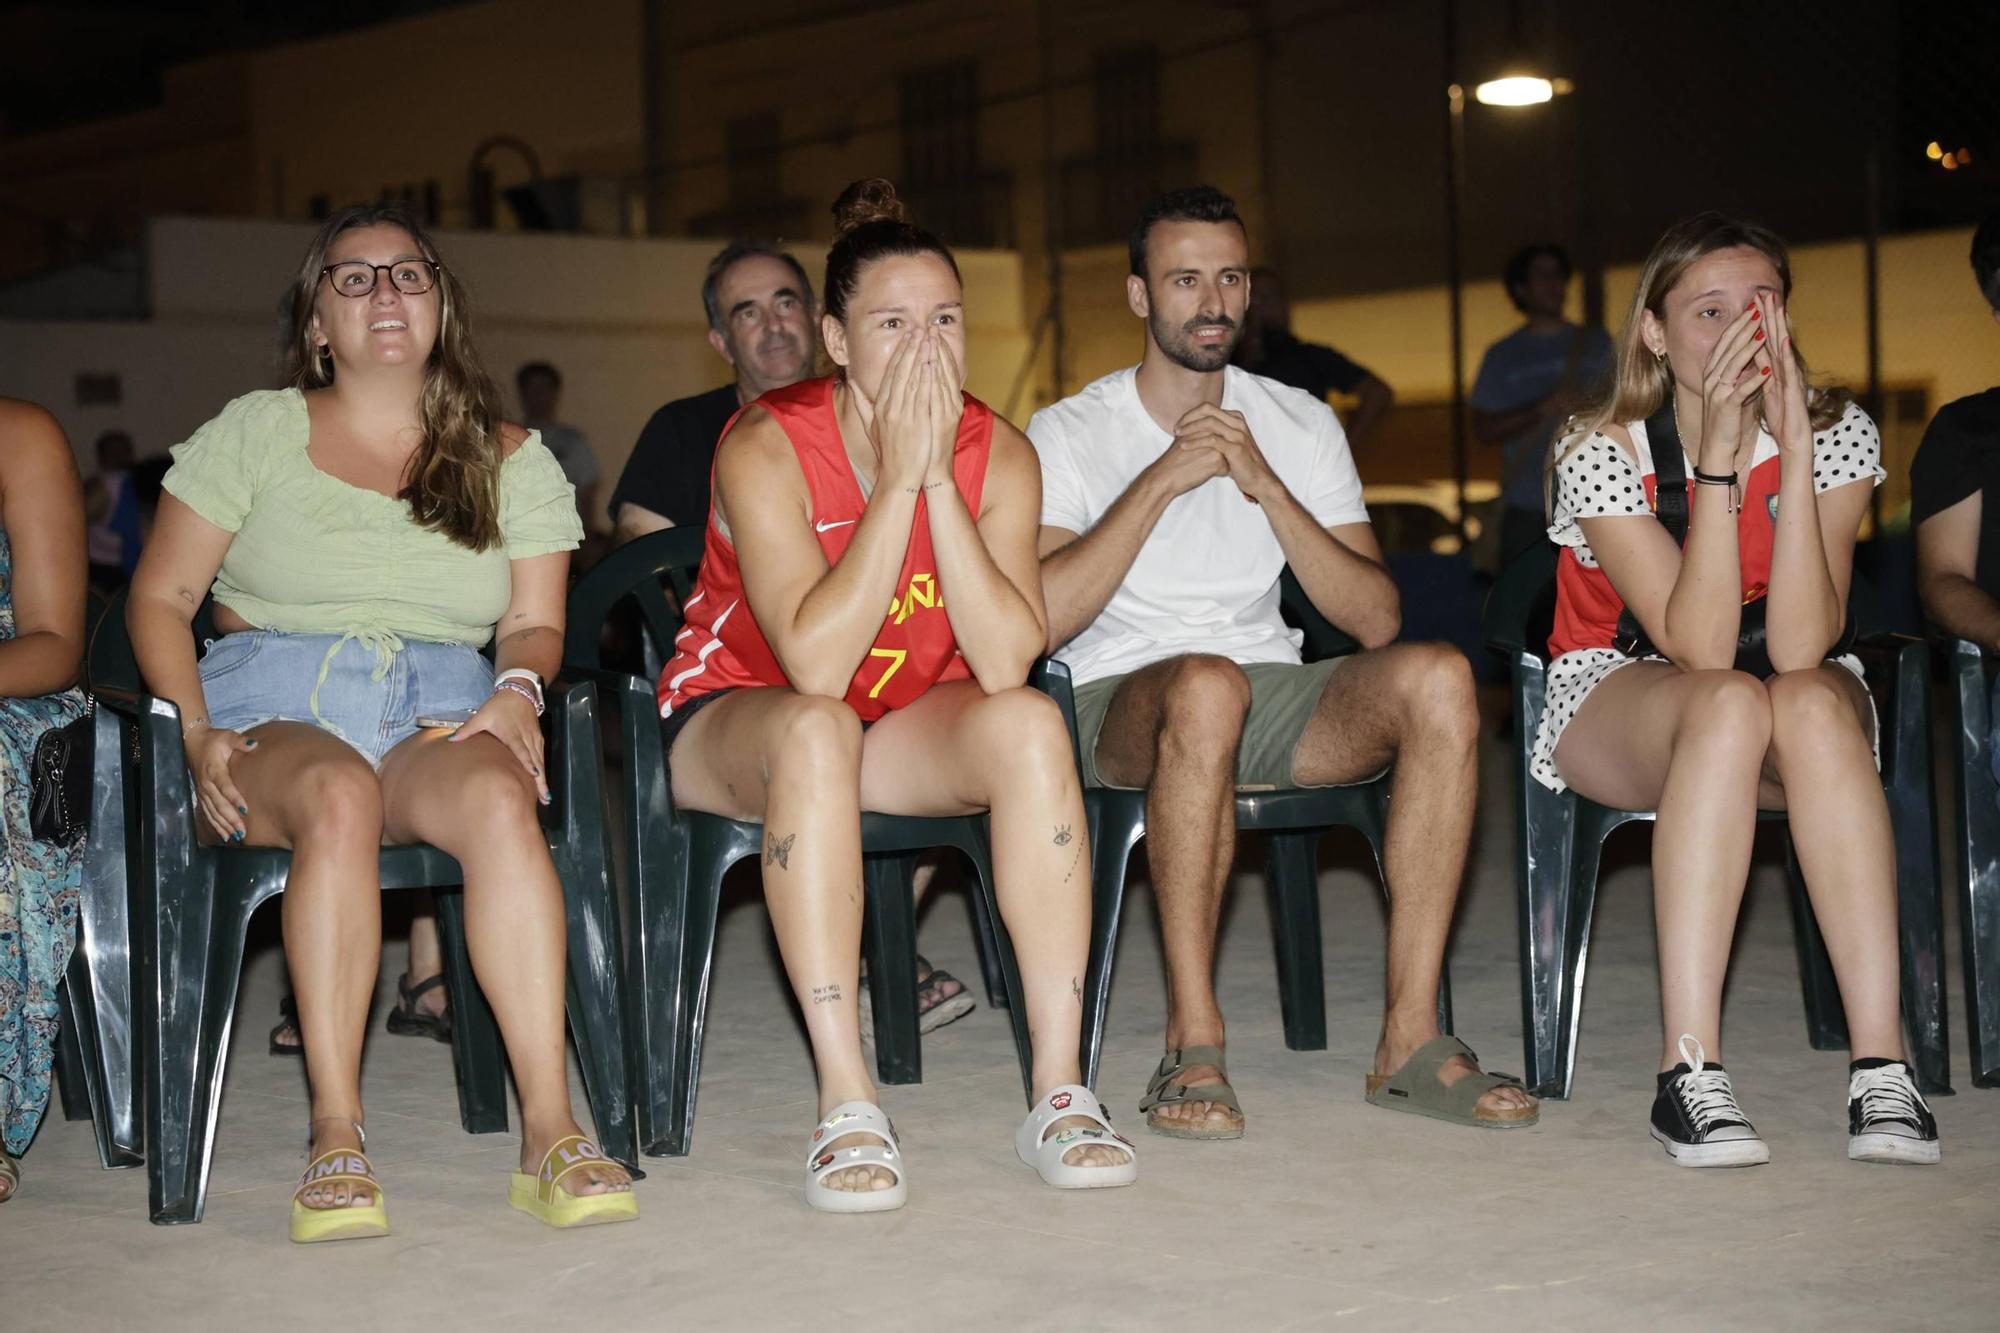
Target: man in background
column 1270, row 348
column 540, row 387
column 761, row 317
column 1528, row 384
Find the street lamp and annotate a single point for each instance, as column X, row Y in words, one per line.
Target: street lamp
column 1516, row 84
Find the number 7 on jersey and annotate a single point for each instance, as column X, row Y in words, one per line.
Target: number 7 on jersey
column 895, row 656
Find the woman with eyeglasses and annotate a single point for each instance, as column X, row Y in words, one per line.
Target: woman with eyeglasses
column 364, row 532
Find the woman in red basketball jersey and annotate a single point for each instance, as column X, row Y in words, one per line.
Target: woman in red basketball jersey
column 1674, row 707
column 869, row 605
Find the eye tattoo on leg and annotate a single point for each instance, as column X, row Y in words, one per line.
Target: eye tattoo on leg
column 1063, row 835
column 1075, row 859
column 778, row 851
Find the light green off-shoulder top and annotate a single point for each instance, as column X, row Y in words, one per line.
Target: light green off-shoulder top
column 315, row 555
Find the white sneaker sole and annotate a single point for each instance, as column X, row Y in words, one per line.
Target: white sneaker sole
column 1895, row 1149
column 1728, row 1152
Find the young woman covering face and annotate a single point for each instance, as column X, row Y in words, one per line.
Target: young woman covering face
column 1676, row 718
column 364, row 532
column 795, row 700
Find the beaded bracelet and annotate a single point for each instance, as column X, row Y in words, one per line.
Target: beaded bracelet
column 518, row 688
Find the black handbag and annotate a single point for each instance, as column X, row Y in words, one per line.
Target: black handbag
column 1670, row 506
column 59, row 781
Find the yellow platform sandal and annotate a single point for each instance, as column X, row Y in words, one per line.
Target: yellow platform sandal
column 542, row 1197
column 331, row 1167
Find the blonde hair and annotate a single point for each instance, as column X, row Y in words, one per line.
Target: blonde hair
column 453, row 482
column 1643, row 381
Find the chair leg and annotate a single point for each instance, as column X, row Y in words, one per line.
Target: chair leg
column 707, row 863
column 889, row 943
column 1119, row 821
column 73, row 1085
column 1912, row 793
column 596, row 1019
column 199, row 965
column 1979, row 863
column 477, row 1052
column 980, row 858
column 1293, row 870
column 990, row 966
column 1826, row 1020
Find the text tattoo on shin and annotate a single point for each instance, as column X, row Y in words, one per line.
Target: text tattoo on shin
column 779, row 850
column 827, row 994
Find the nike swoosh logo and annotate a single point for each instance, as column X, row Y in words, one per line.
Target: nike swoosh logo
column 829, row 527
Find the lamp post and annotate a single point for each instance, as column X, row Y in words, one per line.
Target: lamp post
column 1514, row 84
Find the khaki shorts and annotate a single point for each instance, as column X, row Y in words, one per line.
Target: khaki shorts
column 1282, row 699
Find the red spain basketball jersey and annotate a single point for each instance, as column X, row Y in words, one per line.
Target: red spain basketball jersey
column 721, row 647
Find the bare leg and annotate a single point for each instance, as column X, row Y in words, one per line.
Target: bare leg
column 1840, row 827
column 957, row 750
column 1691, row 745
column 310, row 792
column 793, row 761
column 1410, row 705
column 1173, row 728
column 476, row 802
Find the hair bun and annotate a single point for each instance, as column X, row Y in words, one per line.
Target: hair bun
column 866, row 201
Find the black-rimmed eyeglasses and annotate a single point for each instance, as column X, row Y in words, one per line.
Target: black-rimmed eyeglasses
column 411, row 277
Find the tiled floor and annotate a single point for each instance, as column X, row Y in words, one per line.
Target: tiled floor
column 1329, row 1213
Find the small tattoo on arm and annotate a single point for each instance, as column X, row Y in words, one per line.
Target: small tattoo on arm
column 827, row 994
column 1076, row 990
column 1063, row 835
column 779, row 852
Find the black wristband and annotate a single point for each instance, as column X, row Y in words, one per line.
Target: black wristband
column 1714, row 478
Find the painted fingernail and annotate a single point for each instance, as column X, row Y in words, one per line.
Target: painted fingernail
column 242, row 809
column 249, row 745
column 536, row 771
column 1755, row 313
column 1758, row 335
column 1764, row 370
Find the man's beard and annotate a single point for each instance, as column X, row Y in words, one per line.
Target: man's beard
column 1181, row 348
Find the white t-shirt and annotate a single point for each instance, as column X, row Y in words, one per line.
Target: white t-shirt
column 1206, row 579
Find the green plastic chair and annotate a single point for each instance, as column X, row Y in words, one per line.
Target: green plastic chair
column 1293, row 821
column 190, row 909
column 1560, row 837
column 1979, row 852
column 676, row 860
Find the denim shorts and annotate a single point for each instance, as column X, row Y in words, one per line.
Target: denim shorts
column 367, row 689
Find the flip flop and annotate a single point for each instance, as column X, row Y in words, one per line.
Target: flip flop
column 1415, row 1088
column 311, row 1225
column 10, row 1176
column 854, row 1118
column 1044, row 1151
column 1164, row 1090
column 542, row 1197
column 407, row 1019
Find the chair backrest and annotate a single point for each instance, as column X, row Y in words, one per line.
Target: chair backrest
column 637, row 570
column 1520, row 607
column 109, row 662
column 1324, row 639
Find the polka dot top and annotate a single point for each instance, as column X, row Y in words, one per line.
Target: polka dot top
column 1596, row 478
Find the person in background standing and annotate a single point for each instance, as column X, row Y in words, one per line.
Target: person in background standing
column 1269, row 348
column 1528, row 384
column 540, row 387
column 112, row 508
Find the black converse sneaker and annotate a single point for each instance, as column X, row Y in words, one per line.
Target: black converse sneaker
column 1696, row 1118
column 1887, row 1118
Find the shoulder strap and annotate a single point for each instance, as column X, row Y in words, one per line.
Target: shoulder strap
column 1670, row 493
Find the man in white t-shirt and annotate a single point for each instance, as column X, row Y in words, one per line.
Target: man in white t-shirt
column 1174, row 494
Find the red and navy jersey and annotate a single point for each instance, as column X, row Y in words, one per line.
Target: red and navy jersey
column 721, row 646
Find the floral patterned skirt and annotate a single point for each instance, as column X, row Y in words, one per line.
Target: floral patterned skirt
column 41, row 887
